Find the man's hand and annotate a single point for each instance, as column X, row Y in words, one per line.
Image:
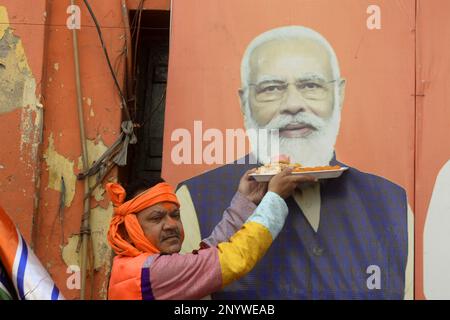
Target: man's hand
column 285, row 183
column 251, row 189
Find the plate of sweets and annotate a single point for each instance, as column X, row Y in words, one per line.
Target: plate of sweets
column 267, row 171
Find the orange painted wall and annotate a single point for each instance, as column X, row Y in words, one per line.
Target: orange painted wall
column 18, row 159
column 48, row 47
column 61, row 120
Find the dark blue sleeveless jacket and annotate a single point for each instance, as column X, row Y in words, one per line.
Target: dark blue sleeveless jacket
column 363, row 227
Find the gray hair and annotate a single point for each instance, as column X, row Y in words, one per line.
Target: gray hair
column 287, row 33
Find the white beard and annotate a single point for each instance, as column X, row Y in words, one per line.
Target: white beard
column 316, row 149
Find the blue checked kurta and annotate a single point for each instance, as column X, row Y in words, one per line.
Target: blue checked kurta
column 363, row 223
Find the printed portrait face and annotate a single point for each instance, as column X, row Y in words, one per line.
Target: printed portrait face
column 290, row 84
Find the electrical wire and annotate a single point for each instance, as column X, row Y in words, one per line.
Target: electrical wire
column 105, row 51
column 12, row 24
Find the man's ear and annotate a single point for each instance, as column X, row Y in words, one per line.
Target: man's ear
column 342, row 85
column 241, row 93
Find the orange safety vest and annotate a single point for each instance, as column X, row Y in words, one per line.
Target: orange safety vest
column 129, row 279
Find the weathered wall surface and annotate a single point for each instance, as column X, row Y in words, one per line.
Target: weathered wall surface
column 21, row 68
column 57, row 231
column 40, row 131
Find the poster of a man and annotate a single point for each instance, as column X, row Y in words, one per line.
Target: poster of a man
column 436, row 255
column 345, row 238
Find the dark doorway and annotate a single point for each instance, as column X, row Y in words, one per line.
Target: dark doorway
column 152, row 56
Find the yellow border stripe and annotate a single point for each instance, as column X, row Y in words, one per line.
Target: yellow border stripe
column 243, row 251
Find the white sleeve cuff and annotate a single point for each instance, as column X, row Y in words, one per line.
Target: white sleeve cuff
column 271, row 213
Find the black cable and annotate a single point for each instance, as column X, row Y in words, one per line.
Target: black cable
column 116, row 82
column 152, row 112
column 139, row 14
column 135, row 18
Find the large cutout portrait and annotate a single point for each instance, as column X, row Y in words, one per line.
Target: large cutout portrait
column 336, row 79
column 433, row 146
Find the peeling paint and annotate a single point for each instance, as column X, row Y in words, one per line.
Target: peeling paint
column 103, row 291
column 99, row 221
column 91, row 110
column 18, row 88
column 31, row 126
column 4, row 20
column 59, row 166
column 17, row 84
column 69, row 251
column 80, row 163
column 56, row 66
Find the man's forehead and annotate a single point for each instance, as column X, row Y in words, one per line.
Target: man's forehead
column 308, row 56
column 161, row 207
column 169, row 206
column 305, row 46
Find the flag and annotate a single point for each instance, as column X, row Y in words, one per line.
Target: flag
column 6, row 287
column 22, row 276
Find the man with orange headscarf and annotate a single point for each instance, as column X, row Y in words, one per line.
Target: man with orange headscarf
column 146, row 233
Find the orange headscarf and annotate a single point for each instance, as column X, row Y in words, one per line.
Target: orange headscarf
column 126, row 213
